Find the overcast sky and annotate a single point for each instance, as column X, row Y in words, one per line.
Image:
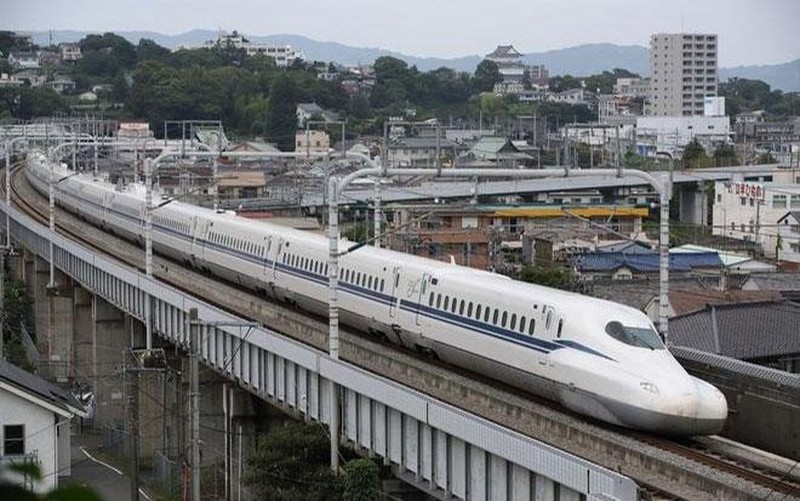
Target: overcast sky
column 750, row 31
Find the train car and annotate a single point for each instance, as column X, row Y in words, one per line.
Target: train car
column 596, row 357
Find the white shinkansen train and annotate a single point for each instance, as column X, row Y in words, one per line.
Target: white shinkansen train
column 595, row 357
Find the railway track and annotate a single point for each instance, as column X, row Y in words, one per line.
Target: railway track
column 780, row 485
column 779, row 488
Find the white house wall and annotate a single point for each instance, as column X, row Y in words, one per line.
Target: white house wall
column 40, row 433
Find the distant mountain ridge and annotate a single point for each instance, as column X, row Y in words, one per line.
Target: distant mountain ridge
column 580, row 60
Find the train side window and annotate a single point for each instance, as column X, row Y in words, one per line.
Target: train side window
column 522, row 324
column 438, row 300
column 469, row 309
column 486, row 312
column 560, row 327
column 505, row 318
column 446, row 303
column 548, row 320
column 494, row 316
column 478, row 312
column 383, row 283
column 513, row 324
column 397, row 280
column 430, row 299
column 326, row 270
column 358, row 278
column 461, row 307
column 369, row 282
column 532, row 327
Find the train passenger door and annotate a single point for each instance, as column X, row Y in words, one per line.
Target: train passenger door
column 278, row 255
column 198, row 235
column 423, row 292
column 395, row 291
column 553, row 322
column 265, row 256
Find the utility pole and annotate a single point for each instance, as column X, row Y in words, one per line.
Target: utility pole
column 194, row 395
column 136, row 362
column 133, row 427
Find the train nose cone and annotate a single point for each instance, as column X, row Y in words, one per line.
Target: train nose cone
column 712, row 409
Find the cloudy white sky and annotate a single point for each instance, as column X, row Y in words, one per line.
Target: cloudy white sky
column 750, row 31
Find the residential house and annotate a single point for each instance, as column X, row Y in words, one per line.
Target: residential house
column 574, row 96
column 23, row 61
column 788, row 246
column 48, row 58
column 6, row 81
column 61, row 84
column 312, row 111
column 35, row 420
column 763, row 332
column 312, row 141
column 616, row 265
column 29, row 77
column 419, row 151
column 494, row 150
column 70, row 52
column 241, row 184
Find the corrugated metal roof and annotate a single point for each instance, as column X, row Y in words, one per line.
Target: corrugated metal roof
column 744, row 331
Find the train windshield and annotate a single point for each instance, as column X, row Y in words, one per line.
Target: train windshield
column 641, row 337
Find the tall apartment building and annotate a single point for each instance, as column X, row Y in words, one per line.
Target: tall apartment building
column 683, row 72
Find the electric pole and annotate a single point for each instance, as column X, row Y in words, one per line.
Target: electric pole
column 194, row 395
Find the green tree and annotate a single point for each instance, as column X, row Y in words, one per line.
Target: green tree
column 105, row 55
column 19, row 312
column 390, row 68
column 282, row 114
column 292, row 462
column 563, row 82
column 549, row 276
column 149, row 49
column 30, row 102
column 766, row 158
column 725, row 156
column 32, row 472
column 694, row 156
column 361, row 477
column 487, row 74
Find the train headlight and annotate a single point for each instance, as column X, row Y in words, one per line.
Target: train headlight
column 648, row 386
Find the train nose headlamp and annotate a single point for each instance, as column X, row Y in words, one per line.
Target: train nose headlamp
column 648, row 386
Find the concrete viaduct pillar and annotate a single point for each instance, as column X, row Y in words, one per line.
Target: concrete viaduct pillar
column 693, row 204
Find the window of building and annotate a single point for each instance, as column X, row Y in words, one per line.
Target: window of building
column 794, row 202
column 13, row 439
column 778, row 201
column 744, row 201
